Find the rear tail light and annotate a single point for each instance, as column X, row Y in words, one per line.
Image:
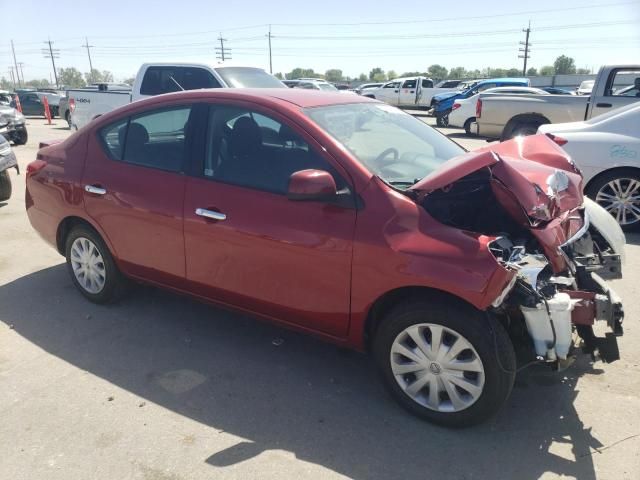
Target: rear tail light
column 455, row 105
column 72, row 104
column 34, row 167
column 479, row 108
column 559, row 140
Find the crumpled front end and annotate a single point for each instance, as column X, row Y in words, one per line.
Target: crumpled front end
column 527, row 193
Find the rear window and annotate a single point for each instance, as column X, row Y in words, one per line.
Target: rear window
column 167, row 79
column 246, row 77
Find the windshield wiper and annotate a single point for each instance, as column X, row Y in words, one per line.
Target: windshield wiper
column 401, row 183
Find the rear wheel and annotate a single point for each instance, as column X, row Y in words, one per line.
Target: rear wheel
column 92, row 267
column 618, row 192
column 20, row 137
column 467, row 125
column 445, row 362
column 443, row 120
column 5, row 186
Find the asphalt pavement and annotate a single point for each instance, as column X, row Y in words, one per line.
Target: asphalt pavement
column 162, row 387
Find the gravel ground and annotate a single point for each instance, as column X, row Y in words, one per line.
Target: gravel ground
column 163, row 387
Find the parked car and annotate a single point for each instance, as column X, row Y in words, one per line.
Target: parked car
column 343, row 217
column 30, row 103
column 585, row 87
column 290, row 83
column 557, row 91
column 365, row 86
column 507, row 116
column 63, row 110
column 413, row 92
column 606, row 148
column 158, row 78
column 315, row 85
column 6, row 98
column 449, row 84
column 463, row 111
column 13, row 125
column 7, row 161
column 443, row 103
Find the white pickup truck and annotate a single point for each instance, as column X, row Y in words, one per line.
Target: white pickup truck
column 407, row 92
column 158, row 78
column 507, row 116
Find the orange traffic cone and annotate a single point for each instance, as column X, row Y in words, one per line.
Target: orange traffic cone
column 47, row 112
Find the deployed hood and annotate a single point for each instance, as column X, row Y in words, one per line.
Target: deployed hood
column 533, row 178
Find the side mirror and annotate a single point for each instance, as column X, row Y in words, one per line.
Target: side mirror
column 311, row 185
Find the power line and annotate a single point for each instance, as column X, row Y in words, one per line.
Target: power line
column 525, row 50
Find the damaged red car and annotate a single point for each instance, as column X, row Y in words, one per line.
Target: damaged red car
column 346, row 218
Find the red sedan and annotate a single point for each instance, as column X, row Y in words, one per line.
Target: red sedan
column 343, row 217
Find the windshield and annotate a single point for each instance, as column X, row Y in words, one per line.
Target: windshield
column 327, row 86
column 392, row 144
column 246, row 77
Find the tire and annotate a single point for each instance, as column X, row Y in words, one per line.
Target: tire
column 467, row 126
column 5, row 186
column 113, row 282
column 67, row 117
column 443, row 120
column 607, row 184
column 21, row 137
column 489, row 343
column 522, row 129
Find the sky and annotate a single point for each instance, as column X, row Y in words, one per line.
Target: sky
column 352, row 35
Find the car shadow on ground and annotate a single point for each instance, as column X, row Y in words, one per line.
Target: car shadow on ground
column 281, row 390
column 633, row 238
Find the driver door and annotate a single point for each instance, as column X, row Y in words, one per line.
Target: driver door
column 408, row 92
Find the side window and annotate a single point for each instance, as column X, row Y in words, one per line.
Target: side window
column 253, row 150
column 409, row 83
column 112, row 137
column 155, row 139
column 426, row 83
column 392, row 85
column 158, row 80
column 624, row 83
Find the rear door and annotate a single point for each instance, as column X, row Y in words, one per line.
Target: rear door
column 622, row 88
column 134, row 190
column 285, row 259
column 388, row 93
column 408, row 91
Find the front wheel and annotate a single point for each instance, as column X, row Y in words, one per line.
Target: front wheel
column 92, row 267
column 445, row 362
column 467, row 125
column 618, row 192
column 21, row 136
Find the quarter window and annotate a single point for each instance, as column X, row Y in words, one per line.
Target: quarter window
column 253, row 150
column 113, row 136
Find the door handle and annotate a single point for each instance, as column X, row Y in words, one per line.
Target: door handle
column 603, row 105
column 203, row 212
column 412, row 91
column 395, row 91
column 95, row 190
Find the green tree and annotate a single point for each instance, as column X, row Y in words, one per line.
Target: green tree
column 514, row 72
column 279, row 75
column 302, row 73
column 333, row 75
column 548, row 70
column 97, row 76
column 457, row 73
column 70, row 77
column 391, row 75
column 363, row 77
column 583, row 71
column 129, row 81
column 377, row 73
column 532, row 72
column 37, row 83
column 564, row 65
column 496, row 72
column 6, row 84
column 437, row 72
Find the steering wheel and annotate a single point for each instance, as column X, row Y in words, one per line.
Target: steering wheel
column 380, row 158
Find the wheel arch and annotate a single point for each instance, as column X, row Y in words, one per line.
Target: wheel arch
column 385, row 302
column 68, row 223
column 609, row 171
column 531, row 117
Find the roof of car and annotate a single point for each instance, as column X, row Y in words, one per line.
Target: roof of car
column 300, row 97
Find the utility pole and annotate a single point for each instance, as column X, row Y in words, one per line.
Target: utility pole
column 20, row 64
column 525, row 50
column 88, row 47
column 52, row 53
column 13, row 79
column 270, row 58
column 15, row 63
column 223, row 53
